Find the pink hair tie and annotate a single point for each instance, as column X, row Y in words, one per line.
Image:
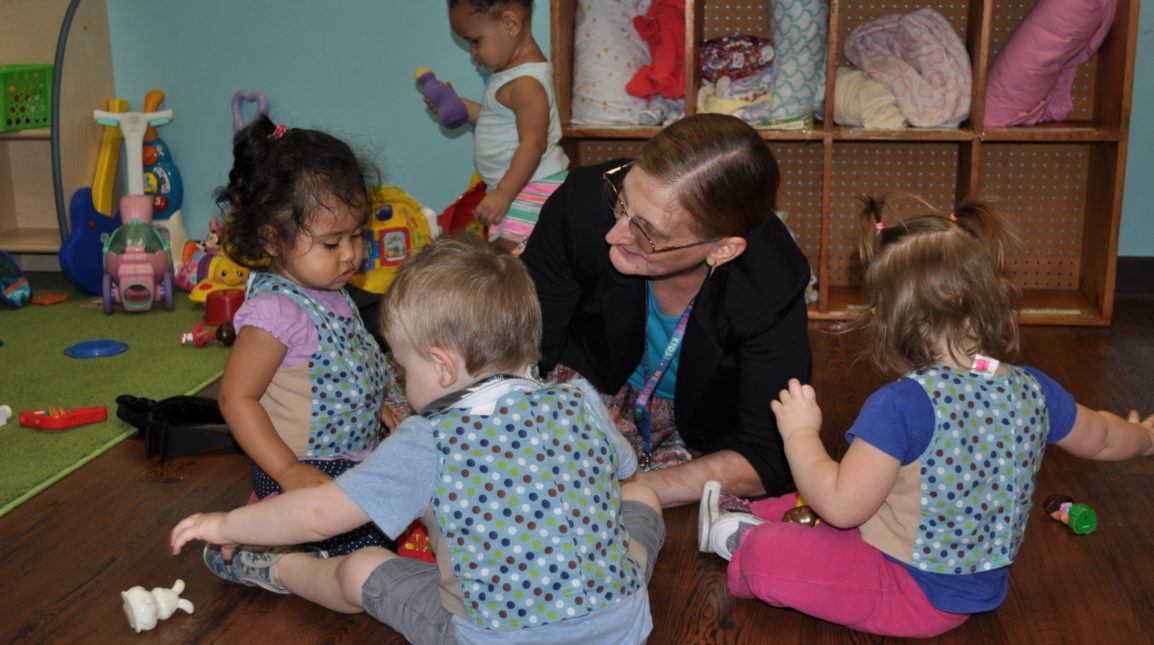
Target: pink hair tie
column 953, row 218
column 879, row 226
column 279, row 131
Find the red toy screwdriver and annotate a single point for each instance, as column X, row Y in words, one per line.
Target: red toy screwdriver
column 59, row 418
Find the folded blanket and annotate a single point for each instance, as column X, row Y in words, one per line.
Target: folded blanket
column 861, row 101
column 921, row 59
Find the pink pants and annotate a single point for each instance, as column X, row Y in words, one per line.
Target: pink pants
column 831, row 574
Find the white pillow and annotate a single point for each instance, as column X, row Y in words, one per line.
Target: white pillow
column 607, row 52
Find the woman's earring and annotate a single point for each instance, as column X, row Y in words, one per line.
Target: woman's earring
column 712, row 267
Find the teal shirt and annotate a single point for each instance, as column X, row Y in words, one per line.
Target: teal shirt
column 658, row 330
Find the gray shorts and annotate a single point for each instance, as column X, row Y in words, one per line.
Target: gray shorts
column 402, row 592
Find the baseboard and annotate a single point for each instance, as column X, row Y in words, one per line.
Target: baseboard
column 1135, row 276
column 37, row 261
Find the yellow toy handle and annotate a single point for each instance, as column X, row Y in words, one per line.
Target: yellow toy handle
column 107, row 162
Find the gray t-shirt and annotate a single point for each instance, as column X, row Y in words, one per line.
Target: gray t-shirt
column 396, row 483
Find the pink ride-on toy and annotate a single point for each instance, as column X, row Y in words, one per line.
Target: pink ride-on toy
column 137, row 264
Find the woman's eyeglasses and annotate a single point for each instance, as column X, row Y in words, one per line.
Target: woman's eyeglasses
column 611, row 183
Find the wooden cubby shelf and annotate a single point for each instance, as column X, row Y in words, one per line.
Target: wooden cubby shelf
column 29, row 30
column 1060, row 182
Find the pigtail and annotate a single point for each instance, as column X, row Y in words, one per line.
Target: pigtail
column 982, row 218
column 246, row 193
column 870, row 227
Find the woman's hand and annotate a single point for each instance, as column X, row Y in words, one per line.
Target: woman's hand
column 797, row 410
column 201, row 526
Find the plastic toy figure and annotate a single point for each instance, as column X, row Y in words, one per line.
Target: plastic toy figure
column 145, row 608
column 223, row 273
column 201, row 335
column 1081, row 519
column 801, row 514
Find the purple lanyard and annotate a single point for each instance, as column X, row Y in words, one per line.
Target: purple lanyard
column 641, row 408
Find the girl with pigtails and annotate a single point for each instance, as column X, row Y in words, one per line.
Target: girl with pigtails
column 927, row 510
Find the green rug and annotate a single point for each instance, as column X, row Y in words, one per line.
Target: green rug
column 35, row 374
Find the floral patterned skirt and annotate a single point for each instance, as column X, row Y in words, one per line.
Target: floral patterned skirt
column 668, row 447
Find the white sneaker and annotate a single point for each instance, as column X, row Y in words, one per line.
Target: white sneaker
column 716, row 503
column 726, row 534
column 707, row 514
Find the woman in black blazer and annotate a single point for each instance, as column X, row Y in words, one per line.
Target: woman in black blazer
column 686, row 230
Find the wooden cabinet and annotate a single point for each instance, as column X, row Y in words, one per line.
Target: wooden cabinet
column 28, row 33
column 1061, row 182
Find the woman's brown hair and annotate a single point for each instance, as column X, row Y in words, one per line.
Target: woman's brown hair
column 935, row 280
column 723, row 173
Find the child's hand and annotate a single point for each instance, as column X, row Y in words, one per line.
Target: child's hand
column 1147, row 424
column 492, row 209
column 1135, row 418
column 797, row 410
column 201, row 526
column 389, row 418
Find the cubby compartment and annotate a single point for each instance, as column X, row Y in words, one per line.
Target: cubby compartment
column 29, row 214
column 27, row 211
column 1061, row 182
column 1101, row 89
column 1057, row 195
column 927, row 170
column 799, row 197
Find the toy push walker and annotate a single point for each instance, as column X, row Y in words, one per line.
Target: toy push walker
column 137, row 262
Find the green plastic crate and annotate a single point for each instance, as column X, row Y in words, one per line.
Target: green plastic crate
column 25, row 97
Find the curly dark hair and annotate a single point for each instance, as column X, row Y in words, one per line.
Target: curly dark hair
column 278, row 183
column 487, row 6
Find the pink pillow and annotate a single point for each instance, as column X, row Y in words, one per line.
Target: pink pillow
column 1031, row 79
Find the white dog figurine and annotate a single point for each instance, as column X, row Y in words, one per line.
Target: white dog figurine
column 144, row 608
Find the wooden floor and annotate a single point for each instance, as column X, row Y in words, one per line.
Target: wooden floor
column 69, row 551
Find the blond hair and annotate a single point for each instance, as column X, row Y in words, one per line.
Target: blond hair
column 459, row 294
column 936, row 280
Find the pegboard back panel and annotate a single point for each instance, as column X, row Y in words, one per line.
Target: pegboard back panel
column 1042, row 188
column 799, row 195
column 928, row 170
column 857, row 13
column 722, row 18
column 1007, row 15
column 586, row 152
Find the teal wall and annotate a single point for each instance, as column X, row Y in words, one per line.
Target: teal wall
column 346, row 66
column 343, row 66
column 1137, row 235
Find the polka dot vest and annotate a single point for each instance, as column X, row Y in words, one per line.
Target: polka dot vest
column 977, row 474
column 528, row 502
column 347, row 373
